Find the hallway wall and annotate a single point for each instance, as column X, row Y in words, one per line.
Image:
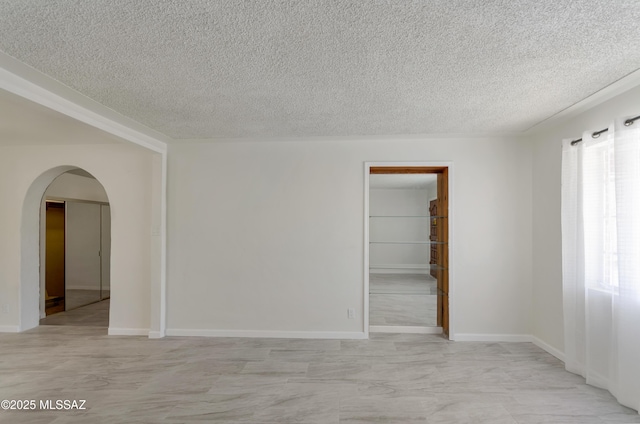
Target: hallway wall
column 266, row 236
column 70, row 186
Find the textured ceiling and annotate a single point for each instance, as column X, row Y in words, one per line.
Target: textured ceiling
column 269, row 68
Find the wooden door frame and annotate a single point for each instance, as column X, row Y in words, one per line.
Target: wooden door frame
column 400, row 168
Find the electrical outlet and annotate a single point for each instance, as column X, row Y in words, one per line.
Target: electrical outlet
column 5, row 308
column 351, row 313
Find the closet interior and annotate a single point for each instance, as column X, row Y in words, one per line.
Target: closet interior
column 408, row 250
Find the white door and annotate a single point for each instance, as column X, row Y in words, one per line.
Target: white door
column 82, row 256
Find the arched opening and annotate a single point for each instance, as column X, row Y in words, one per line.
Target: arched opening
column 75, row 251
column 85, row 220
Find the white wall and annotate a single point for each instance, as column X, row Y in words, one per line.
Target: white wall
column 547, row 243
column 267, row 236
column 384, row 203
column 71, row 186
column 432, row 190
column 126, row 173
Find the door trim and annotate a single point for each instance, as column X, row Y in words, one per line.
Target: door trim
column 401, row 167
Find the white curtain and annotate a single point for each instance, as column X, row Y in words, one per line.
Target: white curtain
column 601, row 259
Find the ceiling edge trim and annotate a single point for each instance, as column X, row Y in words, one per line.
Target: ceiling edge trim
column 25, row 81
column 624, row 84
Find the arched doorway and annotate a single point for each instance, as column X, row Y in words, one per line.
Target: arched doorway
column 75, row 250
column 33, row 247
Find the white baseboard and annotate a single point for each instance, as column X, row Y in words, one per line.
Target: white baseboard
column 516, row 338
column 156, row 334
column 510, row 338
column 268, row 334
column 9, row 329
column 404, row 329
column 128, row 331
column 552, row 350
column 597, row 380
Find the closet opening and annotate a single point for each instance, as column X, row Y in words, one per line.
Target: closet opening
column 407, row 249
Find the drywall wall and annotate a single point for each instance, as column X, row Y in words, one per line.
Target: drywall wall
column 547, row 316
column 394, row 217
column 71, row 186
column 266, row 237
column 126, row 173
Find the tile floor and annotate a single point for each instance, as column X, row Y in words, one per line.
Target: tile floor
column 93, row 315
column 402, row 300
column 76, row 298
column 391, row 378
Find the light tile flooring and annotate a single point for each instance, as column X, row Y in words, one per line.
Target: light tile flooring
column 93, row 315
column 76, row 298
column 391, row 378
column 402, row 300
